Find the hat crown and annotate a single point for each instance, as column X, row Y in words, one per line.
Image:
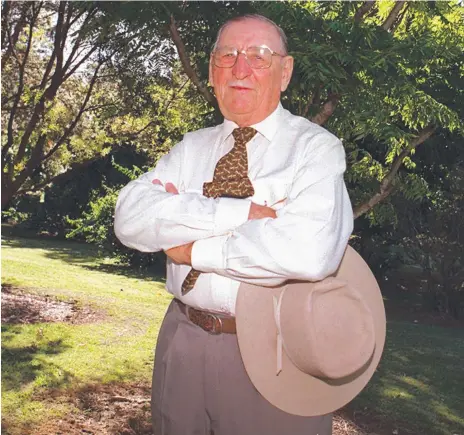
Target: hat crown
column 327, row 331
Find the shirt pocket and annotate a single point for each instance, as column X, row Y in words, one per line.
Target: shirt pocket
column 271, row 192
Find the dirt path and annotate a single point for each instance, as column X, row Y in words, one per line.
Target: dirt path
column 21, row 306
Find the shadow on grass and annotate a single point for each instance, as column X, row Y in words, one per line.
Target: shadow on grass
column 81, row 254
column 127, row 271
column 22, row 365
column 67, row 250
column 419, row 385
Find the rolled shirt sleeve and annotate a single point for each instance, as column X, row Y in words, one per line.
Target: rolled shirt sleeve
column 307, row 239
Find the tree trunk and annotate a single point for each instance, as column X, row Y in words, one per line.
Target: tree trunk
column 327, row 110
column 388, row 23
column 7, row 196
column 387, row 183
column 184, row 58
column 363, row 10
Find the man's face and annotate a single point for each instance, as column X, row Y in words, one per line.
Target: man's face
column 246, row 95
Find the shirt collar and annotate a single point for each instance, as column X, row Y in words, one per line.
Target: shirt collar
column 267, row 127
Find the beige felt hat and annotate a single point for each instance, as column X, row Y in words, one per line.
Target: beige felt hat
column 310, row 348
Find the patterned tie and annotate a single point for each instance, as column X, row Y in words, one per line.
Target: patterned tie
column 230, row 180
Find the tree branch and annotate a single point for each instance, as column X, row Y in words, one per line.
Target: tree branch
column 372, row 202
column 22, row 68
column 400, row 18
column 327, row 109
column 155, row 120
column 46, row 73
column 12, row 39
column 98, row 106
column 78, row 64
column 6, row 7
column 50, row 92
column 66, row 25
column 79, row 37
column 58, row 44
column 387, row 183
column 363, row 10
column 184, row 58
column 392, row 16
column 73, row 124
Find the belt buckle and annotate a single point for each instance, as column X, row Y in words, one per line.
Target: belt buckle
column 213, row 330
column 206, row 320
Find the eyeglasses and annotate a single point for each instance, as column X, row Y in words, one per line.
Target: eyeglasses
column 256, row 57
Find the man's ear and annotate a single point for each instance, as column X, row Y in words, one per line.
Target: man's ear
column 211, row 82
column 287, row 71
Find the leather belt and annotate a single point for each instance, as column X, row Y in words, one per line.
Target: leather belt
column 210, row 322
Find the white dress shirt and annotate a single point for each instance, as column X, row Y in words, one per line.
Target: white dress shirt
column 292, row 162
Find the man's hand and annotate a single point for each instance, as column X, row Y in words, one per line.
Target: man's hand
column 170, row 188
column 261, row 211
column 256, row 211
column 181, row 254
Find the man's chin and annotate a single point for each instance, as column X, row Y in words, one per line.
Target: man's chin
column 237, row 102
column 241, row 108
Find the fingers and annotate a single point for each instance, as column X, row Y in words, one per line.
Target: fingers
column 261, row 211
column 181, row 254
column 170, row 188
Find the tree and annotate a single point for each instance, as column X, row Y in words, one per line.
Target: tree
column 67, row 71
column 35, row 69
column 383, row 76
column 386, row 77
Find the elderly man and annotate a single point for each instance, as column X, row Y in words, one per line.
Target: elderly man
column 258, row 199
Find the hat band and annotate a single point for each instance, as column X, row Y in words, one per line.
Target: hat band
column 277, row 305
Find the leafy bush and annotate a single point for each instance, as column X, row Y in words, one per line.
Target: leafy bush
column 96, row 226
column 14, row 216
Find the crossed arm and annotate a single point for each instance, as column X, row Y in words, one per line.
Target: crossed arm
column 236, row 238
column 183, row 254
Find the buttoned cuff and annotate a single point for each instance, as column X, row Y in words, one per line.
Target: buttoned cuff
column 207, row 254
column 230, row 214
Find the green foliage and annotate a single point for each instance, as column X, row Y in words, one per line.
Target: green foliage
column 15, row 217
column 388, row 84
column 420, row 258
column 95, row 226
column 115, row 86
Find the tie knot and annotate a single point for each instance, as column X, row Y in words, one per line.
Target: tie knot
column 243, row 135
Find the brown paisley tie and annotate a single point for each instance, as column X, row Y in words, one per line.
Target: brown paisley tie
column 230, row 180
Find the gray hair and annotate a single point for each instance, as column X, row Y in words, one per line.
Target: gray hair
column 282, row 36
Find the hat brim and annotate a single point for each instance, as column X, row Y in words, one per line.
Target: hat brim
column 292, row 390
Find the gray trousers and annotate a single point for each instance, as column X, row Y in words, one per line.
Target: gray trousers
column 200, row 386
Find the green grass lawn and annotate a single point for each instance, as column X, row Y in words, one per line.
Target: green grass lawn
column 419, row 385
column 37, row 357
column 418, row 388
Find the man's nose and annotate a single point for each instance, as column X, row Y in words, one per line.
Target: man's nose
column 241, row 69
